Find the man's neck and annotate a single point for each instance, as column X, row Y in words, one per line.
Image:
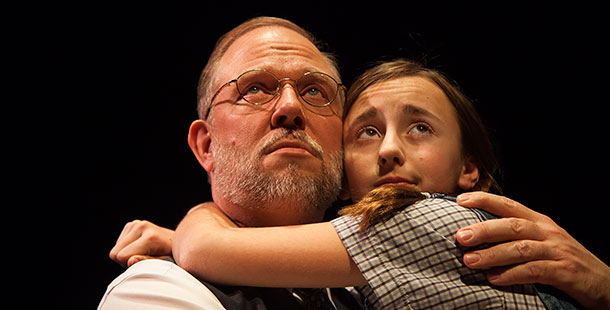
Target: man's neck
column 280, row 214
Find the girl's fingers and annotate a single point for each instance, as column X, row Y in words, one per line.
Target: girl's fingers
column 130, row 233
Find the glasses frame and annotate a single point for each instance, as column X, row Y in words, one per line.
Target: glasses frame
column 277, row 90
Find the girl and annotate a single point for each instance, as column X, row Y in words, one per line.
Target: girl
column 407, row 132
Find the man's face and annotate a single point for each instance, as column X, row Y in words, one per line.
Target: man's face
column 284, row 156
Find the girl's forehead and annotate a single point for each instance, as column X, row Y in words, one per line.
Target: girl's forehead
column 396, row 93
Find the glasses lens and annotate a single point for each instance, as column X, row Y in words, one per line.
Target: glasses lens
column 257, row 86
column 318, row 89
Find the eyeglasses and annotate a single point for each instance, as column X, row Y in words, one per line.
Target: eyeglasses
column 259, row 86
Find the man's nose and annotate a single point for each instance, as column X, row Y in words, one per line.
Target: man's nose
column 288, row 111
column 390, row 152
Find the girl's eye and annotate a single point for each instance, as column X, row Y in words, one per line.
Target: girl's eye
column 368, row 133
column 420, row 129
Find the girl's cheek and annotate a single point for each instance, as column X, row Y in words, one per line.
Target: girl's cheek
column 360, row 172
column 434, row 169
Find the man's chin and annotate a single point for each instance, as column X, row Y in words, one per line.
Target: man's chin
column 290, row 167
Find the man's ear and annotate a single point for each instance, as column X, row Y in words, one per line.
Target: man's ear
column 199, row 140
column 469, row 175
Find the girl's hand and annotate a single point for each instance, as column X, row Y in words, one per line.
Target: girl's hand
column 141, row 240
column 534, row 249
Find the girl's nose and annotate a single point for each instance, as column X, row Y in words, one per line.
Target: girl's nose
column 390, row 152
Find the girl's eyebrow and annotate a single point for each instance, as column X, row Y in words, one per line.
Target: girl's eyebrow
column 411, row 109
column 367, row 114
column 408, row 109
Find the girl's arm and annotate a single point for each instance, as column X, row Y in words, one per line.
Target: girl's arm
column 211, row 247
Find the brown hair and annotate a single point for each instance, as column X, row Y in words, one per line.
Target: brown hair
column 381, row 203
column 207, row 80
column 476, row 143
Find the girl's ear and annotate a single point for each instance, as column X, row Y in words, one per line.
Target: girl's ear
column 469, row 175
column 199, row 140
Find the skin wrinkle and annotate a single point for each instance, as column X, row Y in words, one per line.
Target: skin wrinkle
column 276, row 54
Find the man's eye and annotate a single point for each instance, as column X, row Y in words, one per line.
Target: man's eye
column 313, row 92
column 258, row 88
column 253, row 90
column 368, row 133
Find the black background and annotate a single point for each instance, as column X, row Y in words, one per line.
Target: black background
column 109, row 93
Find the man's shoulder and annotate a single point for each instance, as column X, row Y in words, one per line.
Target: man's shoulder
column 157, row 284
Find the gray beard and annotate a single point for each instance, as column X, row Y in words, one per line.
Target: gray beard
column 240, row 178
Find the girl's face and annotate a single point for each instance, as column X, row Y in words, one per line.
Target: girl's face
column 405, row 132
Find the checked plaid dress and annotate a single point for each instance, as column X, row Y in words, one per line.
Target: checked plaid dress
column 412, row 261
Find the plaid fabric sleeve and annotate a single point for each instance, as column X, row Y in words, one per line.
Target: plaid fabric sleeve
column 412, row 261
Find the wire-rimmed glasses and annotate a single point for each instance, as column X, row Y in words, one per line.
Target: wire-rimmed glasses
column 259, row 86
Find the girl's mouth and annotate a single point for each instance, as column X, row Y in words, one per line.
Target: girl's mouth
column 394, row 181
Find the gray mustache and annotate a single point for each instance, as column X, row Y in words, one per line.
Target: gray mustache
column 300, row 135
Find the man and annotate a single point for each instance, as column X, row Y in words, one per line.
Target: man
column 267, row 154
column 272, row 151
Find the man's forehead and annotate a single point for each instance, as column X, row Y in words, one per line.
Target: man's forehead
column 277, row 49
